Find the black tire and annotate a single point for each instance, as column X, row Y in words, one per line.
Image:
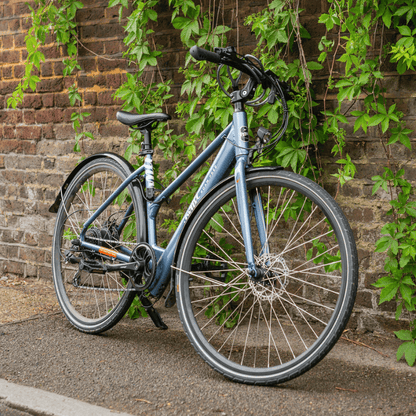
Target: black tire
column 270, row 331
column 96, row 302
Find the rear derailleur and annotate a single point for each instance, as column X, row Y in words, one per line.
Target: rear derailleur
column 140, row 271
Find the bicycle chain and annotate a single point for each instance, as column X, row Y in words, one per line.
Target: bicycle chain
column 105, row 289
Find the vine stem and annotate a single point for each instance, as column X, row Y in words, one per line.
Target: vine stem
column 96, row 54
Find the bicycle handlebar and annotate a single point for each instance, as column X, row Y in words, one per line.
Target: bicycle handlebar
column 203, row 55
column 258, row 76
column 228, row 56
column 225, row 57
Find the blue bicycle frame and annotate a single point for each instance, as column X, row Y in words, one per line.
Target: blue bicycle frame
column 234, row 141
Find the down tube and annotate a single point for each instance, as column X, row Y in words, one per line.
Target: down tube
column 216, row 172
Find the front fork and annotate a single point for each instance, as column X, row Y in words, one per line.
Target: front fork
column 241, row 139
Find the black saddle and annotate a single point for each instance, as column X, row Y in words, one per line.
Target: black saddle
column 141, row 121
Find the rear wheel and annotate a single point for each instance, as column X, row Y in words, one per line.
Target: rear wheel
column 274, row 328
column 95, row 301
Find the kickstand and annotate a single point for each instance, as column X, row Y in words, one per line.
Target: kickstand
column 153, row 313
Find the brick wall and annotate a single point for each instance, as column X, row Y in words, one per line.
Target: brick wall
column 36, row 140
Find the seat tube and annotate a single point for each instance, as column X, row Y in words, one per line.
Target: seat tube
column 241, row 153
column 150, row 188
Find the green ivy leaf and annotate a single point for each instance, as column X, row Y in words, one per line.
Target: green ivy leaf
column 408, row 349
column 405, row 30
column 406, row 292
column 376, row 119
column 314, row 66
column 388, row 293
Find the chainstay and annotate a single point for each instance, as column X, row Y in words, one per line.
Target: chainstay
column 114, row 242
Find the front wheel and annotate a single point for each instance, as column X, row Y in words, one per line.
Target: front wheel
column 270, row 329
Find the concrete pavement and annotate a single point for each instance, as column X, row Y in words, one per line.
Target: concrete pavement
column 139, row 370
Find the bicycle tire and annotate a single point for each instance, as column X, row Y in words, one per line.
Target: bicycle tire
column 95, row 302
column 270, row 331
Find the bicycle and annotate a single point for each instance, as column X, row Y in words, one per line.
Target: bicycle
column 263, row 266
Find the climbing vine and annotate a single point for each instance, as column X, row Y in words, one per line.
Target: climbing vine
column 352, row 53
column 353, row 31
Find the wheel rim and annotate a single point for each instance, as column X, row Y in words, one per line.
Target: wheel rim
column 95, row 296
column 272, row 326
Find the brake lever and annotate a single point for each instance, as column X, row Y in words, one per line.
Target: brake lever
column 234, row 82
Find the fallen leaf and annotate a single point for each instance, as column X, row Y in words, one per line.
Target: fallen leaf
column 351, row 390
column 143, row 400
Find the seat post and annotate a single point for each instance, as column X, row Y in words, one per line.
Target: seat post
column 147, row 142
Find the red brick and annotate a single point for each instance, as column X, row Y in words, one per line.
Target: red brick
column 15, row 24
column 63, row 131
column 17, row 146
column 68, row 113
column 98, row 114
column 10, row 116
column 105, row 98
column 29, row 132
column 29, row 116
column 88, row 64
column 8, row 87
column 8, row 9
column 111, row 113
column 29, row 254
column 68, row 82
column 50, row 115
column 47, row 132
column 102, row 31
column 86, row 15
column 47, row 100
column 113, row 81
column 90, row 98
column 91, row 49
column 19, row 71
column 113, row 130
column 104, row 65
column 114, row 47
column 32, row 101
column 46, row 69
column 62, row 100
column 7, row 42
column 49, row 85
column 9, row 132
column 91, row 81
column 51, row 52
column 7, row 72
column 22, row 8
column 13, row 267
column 31, row 239
column 19, row 40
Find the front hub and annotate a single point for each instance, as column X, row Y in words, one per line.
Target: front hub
column 275, row 277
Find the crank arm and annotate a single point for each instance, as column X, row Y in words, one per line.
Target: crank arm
column 122, row 267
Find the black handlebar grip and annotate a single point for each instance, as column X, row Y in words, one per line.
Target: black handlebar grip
column 203, row 55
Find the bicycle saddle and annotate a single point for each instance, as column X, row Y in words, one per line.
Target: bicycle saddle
column 140, row 120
